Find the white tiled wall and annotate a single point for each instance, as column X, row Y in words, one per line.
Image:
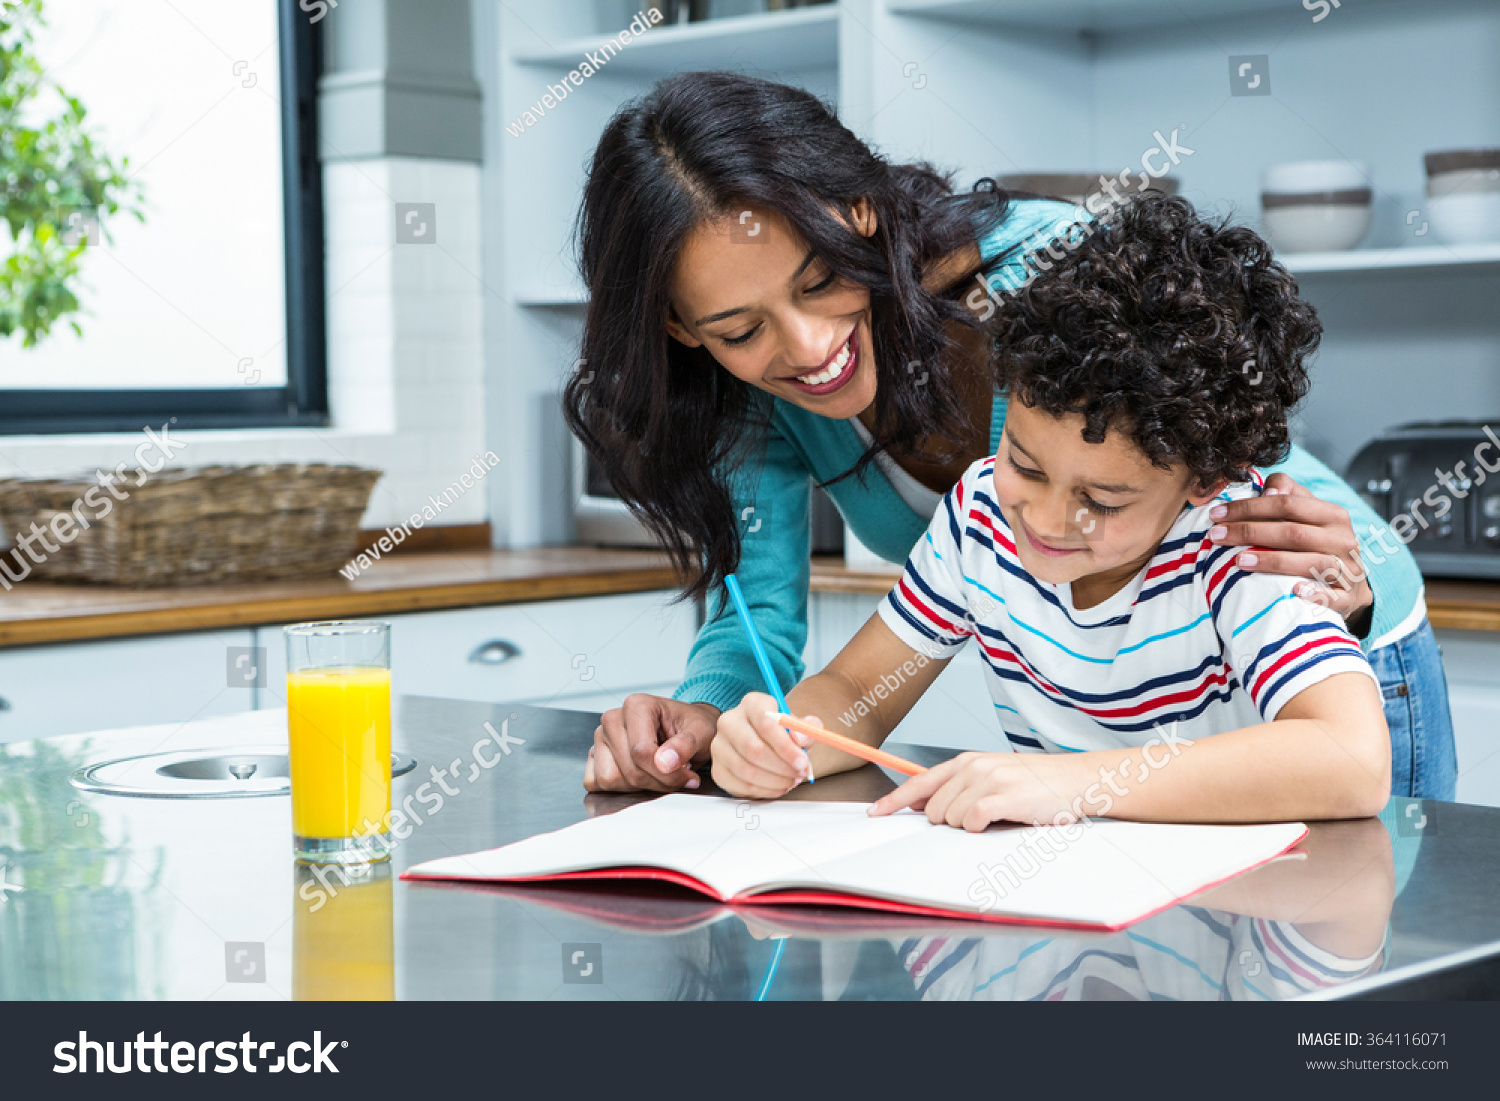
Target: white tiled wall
column 405, row 367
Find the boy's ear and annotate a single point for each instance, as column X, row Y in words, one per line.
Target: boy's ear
column 1208, row 493
column 865, row 222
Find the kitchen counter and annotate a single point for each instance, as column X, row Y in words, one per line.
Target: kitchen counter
column 134, row 898
column 38, row 612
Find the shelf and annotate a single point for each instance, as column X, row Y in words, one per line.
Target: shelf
column 551, row 297
column 775, row 41
column 1395, row 259
column 1090, row 15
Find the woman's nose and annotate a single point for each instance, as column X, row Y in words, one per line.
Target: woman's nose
column 806, row 341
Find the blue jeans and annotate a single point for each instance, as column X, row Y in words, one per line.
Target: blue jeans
column 1415, row 691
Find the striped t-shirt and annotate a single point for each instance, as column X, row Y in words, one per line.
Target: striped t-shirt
column 1192, row 646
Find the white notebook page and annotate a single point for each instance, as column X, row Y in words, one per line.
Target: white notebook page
column 1110, row 873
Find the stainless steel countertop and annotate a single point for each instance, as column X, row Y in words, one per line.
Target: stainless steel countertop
column 129, row 898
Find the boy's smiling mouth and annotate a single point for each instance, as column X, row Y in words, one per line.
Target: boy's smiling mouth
column 1041, row 547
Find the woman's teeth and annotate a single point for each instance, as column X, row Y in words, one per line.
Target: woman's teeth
column 831, row 372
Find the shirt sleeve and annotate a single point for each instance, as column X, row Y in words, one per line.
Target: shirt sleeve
column 928, row 608
column 1277, row 643
column 771, row 500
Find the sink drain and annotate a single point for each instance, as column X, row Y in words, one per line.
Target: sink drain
column 201, row 774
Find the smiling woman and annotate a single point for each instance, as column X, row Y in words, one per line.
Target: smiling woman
column 772, row 304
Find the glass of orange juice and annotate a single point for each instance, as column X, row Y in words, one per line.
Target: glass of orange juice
column 338, row 696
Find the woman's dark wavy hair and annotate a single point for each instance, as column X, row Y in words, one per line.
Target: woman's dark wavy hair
column 1181, row 332
column 663, row 420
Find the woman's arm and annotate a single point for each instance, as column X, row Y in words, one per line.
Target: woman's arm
column 651, row 743
column 1326, row 755
column 863, row 694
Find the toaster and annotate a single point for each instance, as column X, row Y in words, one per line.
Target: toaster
column 1438, row 484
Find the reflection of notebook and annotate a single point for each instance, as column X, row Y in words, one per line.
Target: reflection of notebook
column 1107, row 876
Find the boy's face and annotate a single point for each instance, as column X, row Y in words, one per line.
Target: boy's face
column 1079, row 509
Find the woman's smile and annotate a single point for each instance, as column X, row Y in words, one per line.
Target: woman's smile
column 835, row 372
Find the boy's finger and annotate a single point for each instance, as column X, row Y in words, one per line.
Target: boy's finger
column 778, row 738
column 917, row 789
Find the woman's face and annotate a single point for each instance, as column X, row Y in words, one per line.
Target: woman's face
column 774, row 315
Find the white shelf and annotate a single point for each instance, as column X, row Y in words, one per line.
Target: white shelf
column 1396, row 259
column 551, row 297
column 775, row 41
column 1090, row 15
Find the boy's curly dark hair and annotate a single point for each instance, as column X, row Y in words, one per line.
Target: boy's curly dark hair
column 1183, row 333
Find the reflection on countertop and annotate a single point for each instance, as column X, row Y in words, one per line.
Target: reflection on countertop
column 134, row 898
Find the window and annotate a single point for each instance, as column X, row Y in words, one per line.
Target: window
column 209, row 310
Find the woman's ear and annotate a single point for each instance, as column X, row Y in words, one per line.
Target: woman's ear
column 865, row 222
column 678, row 332
column 1208, row 492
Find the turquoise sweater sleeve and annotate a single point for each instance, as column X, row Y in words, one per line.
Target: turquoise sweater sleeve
column 771, row 503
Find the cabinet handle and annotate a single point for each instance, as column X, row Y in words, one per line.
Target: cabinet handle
column 495, row 652
column 4, row 704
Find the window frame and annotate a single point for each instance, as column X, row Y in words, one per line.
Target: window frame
column 303, row 401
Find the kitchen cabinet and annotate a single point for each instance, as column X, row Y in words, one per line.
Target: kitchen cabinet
column 586, row 653
column 1471, row 660
column 73, row 688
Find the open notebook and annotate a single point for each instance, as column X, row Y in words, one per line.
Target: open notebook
column 1110, row 875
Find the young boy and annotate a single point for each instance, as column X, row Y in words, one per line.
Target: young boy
column 1136, row 669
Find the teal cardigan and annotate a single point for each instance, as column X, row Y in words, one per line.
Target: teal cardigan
column 801, row 448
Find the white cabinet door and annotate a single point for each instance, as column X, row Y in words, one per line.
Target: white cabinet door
column 544, row 653
column 77, row 687
column 1471, row 660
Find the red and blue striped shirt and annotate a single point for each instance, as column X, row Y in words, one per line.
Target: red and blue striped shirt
column 1192, row 646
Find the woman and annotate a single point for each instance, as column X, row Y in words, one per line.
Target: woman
column 772, row 304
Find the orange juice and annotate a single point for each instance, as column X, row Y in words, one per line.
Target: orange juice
column 340, row 732
column 342, row 946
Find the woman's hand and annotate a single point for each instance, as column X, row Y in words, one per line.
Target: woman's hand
column 1299, row 535
column 753, row 757
column 649, row 744
column 975, row 789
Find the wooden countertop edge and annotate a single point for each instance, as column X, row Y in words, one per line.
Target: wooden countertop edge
column 296, row 608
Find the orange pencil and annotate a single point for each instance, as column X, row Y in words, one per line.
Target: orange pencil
column 849, row 745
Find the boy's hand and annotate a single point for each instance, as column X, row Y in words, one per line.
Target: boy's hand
column 974, row 789
column 752, row 756
column 1298, row 535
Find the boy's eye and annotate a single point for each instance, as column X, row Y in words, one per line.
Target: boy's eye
column 1103, row 510
column 1023, row 471
column 742, row 338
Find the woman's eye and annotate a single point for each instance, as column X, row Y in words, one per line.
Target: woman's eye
column 822, row 285
column 1102, row 510
column 742, row 338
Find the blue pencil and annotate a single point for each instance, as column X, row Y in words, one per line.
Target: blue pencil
column 762, row 659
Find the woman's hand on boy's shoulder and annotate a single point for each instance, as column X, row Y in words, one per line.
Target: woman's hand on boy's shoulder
column 1298, row 535
column 974, row 790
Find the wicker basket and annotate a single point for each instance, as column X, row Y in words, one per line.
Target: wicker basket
column 196, row 526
